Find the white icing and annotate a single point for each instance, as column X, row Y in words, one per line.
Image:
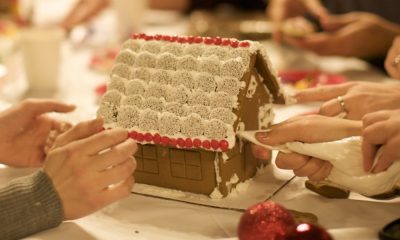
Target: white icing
column 132, row 45
column 135, row 87
column 192, row 125
column 127, row 57
column 146, row 59
column 232, row 182
column 151, row 46
column 117, row 83
column 162, row 77
column 148, row 120
column 112, row 96
column 199, row 97
column 141, row 73
column 223, row 114
column 219, row 52
column 229, row 85
column 128, row 116
column 121, row 70
column 233, row 68
column 133, row 100
column 210, row 65
column 216, row 194
column 251, row 90
column 195, row 50
column 188, row 63
column 206, row 82
column 173, row 48
column 265, row 116
column 107, row 111
column 215, row 129
column 168, row 124
column 156, row 104
column 167, row 61
column 221, row 99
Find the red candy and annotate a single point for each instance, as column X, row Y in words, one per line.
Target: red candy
column 208, row 40
column 140, row 137
column 182, row 40
column 157, row 37
column 198, row 39
column 166, row 38
column 217, row 41
column 197, row 142
column 223, row 144
column 206, row 144
column 226, row 42
column 165, row 141
column 135, row 36
column 214, row 144
column 244, row 44
column 190, row 39
column 142, row 35
column 188, row 143
column 173, row 142
column 148, row 38
column 148, row 137
column 181, row 142
column 234, row 44
column 133, row 135
column 156, row 138
column 174, row 38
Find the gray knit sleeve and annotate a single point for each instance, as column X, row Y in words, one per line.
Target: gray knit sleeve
column 28, row 205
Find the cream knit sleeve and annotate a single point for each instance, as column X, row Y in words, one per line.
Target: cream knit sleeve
column 28, row 205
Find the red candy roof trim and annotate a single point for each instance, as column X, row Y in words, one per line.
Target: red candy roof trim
column 191, row 39
column 157, row 139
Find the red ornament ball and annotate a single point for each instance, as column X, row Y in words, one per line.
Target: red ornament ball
column 306, row 231
column 266, row 221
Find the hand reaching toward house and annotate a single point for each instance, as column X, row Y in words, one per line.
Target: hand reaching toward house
column 381, row 130
column 24, row 129
column 355, row 34
column 359, row 98
column 91, row 168
column 306, row 129
column 281, row 10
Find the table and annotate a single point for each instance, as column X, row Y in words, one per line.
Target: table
column 140, row 217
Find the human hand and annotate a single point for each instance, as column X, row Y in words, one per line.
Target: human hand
column 280, row 10
column 359, row 98
column 91, row 168
column 306, row 129
column 83, row 11
column 24, row 129
column 381, row 130
column 392, row 62
column 355, row 34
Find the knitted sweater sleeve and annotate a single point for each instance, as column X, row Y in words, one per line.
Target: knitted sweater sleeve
column 28, row 205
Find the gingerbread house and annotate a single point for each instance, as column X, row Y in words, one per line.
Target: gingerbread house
column 183, row 100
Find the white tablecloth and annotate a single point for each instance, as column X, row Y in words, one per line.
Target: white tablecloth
column 140, row 217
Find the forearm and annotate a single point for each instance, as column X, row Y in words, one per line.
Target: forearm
column 29, row 205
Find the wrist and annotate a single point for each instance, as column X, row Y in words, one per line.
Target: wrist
column 354, row 128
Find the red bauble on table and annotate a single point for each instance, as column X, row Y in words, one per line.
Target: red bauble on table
column 305, row 231
column 266, row 221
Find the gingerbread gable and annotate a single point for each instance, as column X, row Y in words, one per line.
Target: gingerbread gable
column 183, row 100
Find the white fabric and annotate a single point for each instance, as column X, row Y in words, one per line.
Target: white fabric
column 346, row 157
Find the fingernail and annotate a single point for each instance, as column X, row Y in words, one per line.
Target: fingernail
column 262, row 136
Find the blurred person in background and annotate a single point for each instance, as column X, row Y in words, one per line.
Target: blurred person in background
column 356, row 28
column 86, row 9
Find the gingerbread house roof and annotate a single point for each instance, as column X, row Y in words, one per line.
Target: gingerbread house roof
column 181, row 91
